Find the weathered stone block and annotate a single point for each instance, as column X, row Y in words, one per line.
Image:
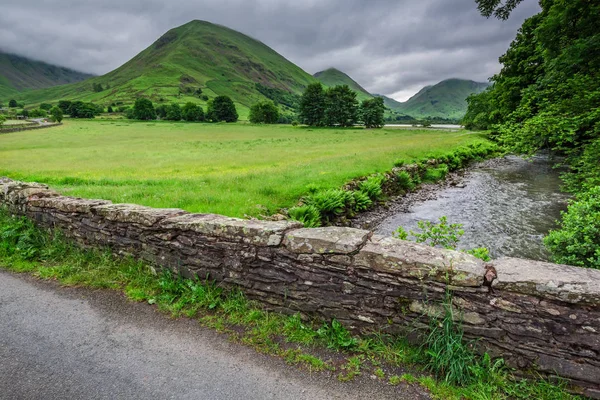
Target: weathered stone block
column 330, row 240
column 420, row 262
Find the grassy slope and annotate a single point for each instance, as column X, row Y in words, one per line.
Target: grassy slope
column 198, row 54
column 225, row 169
column 333, row 77
column 20, row 73
column 447, row 99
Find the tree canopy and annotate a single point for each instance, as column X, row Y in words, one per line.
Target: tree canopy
column 143, row 110
column 221, row 108
column 312, row 105
column 264, row 112
column 372, row 112
column 192, row 112
column 501, row 9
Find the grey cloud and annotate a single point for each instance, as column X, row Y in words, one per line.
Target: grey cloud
column 392, row 47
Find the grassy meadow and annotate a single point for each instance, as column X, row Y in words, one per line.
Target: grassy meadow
column 235, row 170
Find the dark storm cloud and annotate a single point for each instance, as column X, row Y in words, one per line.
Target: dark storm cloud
column 393, row 47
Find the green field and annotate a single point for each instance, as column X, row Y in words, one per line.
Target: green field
column 234, row 170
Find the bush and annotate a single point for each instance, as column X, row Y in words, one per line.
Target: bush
column 173, row 112
column 308, row 215
column 577, row 242
column 45, row 106
column 372, row 187
column 192, row 112
column 37, row 113
column 56, row 114
column 264, row 112
column 405, row 181
column 435, row 174
column 330, row 203
column 362, row 201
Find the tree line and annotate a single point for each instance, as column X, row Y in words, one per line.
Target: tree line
column 547, row 96
column 220, row 109
column 338, row 106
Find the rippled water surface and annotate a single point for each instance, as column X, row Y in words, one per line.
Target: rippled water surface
column 506, row 206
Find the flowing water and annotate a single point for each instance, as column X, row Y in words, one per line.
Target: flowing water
column 506, row 205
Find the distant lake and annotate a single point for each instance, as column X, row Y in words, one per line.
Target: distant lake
column 440, row 126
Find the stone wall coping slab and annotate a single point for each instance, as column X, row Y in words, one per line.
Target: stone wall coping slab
column 329, row 240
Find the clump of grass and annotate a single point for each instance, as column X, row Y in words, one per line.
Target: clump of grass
column 405, row 181
column 372, row 187
column 308, row 215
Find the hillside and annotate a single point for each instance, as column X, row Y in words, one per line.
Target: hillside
column 198, row 55
column 334, row 77
column 19, row 73
column 446, row 99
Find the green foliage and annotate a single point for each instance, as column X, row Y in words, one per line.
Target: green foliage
column 448, row 355
column 2, row 119
column 341, row 106
column 372, row 112
column 12, row 103
column 577, row 242
column 97, row 87
column 309, row 215
column 439, row 234
column 37, row 113
column 405, row 181
column 330, row 203
column 109, row 109
column 372, row 187
column 173, row 112
column 264, row 112
column 192, row 112
column 143, row 110
column 362, row 201
column 45, row 106
column 337, row 337
column 501, row 9
column 312, row 105
column 161, row 111
column 65, row 106
column 56, row 114
column 220, row 109
column 79, row 109
column 483, row 253
column 435, row 174
column 289, row 99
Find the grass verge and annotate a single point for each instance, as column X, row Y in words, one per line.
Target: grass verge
column 314, row 346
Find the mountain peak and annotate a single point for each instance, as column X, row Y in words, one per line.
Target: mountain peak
column 334, row 77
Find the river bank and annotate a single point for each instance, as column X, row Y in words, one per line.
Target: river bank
column 506, row 204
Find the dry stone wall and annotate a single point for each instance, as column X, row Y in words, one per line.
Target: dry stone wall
column 540, row 317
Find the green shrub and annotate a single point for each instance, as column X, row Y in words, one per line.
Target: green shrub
column 337, row 337
column 441, row 234
column 307, row 215
column 400, row 163
column 483, row 253
column 362, row 201
column 372, row 187
column 577, row 242
column 436, row 174
column 330, row 203
column 405, row 181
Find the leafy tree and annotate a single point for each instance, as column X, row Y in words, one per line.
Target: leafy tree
column 161, row 111
column 264, row 112
column 38, row 113
column 12, row 103
column 143, row 110
column 56, row 114
column 79, row 109
column 312, row 105
column 173, row 112
column 341, row 106
column 45, row 106
column 192, row 112
column 65, row 106
column 97, row 87
column 372, row 112
column 109, row 109
column 221, row 108
column 501, row 9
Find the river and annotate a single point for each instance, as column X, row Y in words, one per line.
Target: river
column 506, row 205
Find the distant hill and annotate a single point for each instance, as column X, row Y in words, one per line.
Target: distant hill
column 19, row 73
column 198, row 55
column 446, row 99
column 334, row 77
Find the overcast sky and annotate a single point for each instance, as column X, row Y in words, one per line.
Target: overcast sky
column 392, row 47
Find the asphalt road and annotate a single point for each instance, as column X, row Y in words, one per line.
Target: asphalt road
column 69, row 343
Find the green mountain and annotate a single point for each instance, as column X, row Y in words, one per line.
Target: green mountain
column 194, row 62
column 334, row 77
column 19, row 73
column 446, row 99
